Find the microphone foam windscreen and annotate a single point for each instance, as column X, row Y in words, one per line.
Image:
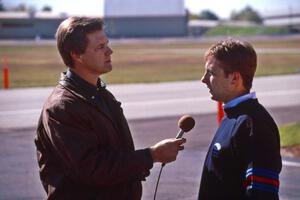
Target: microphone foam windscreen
column 186, row 123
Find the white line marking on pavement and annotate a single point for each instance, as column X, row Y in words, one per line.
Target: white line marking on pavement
column 165, row 101
column 279, row 92
column 20, row 112
column 206, row 98
column 176, row 100
column 290, row 164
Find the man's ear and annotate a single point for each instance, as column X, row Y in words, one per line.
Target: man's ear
column 76, row 57
column 236, row 78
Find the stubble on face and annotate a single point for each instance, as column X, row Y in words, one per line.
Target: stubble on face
column 215, row 79
column 98, row 54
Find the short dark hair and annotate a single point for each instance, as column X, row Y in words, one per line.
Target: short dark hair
column 238, row 56
column 71, row 36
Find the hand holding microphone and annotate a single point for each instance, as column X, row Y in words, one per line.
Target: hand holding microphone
column 166, row 150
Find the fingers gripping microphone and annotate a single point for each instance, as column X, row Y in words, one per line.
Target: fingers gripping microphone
column 185, row 123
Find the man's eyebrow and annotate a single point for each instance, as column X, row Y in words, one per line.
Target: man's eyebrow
column 101, row 43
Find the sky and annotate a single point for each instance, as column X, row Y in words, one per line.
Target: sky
column 222, row 8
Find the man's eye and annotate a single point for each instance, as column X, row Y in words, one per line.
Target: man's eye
column 100, row 46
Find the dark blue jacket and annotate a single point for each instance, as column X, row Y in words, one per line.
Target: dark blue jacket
column 243, row 160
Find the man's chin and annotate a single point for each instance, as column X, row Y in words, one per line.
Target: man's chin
column 108, row 68
column 213, row 98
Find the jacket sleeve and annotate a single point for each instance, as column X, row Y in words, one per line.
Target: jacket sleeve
column 260, row 155
column 82, row 158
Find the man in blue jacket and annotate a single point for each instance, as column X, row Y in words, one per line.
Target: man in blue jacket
column 243, row 160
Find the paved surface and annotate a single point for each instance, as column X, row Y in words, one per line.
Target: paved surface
column 19, row 178
column 21, row 107
column 153, row 111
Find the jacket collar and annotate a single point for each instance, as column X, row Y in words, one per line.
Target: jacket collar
column 84, row 90
column 80, row 86
column 242, row 108
column 234, row 102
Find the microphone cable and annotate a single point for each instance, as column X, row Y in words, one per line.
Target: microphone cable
column 156, row 187
column 185, row 123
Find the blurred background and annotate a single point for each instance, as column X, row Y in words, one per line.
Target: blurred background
column 157, row 66
column 172, row 34
column 168, row 18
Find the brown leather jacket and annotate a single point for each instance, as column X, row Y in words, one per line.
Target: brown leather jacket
column 84, row 152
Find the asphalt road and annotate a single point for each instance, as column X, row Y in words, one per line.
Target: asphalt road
column 19, row 178
column 21, row 107
column 153, row 111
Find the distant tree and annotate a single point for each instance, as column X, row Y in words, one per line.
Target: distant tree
column 209, row 15
column 191, row 16
column 47, row 8
column 21, row 7
column 2, row 8
column 247, row 14
column 31, row 10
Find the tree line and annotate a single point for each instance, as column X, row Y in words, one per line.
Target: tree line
column 246, row 14
column 22, row 7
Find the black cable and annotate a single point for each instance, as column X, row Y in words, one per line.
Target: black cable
column 161, row 167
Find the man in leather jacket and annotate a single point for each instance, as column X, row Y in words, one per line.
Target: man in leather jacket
column 84, row 146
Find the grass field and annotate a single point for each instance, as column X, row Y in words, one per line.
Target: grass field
column 249, row 30
column 290, row 134
column 143, row 61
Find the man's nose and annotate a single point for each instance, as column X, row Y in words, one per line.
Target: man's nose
column 109, row 51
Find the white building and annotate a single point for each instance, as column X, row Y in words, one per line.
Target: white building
column 24, row 25
column 145, row 18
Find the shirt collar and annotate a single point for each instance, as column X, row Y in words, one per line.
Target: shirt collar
column 90, row 89
column 240, row 99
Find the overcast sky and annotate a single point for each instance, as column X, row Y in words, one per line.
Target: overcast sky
column 222, row 8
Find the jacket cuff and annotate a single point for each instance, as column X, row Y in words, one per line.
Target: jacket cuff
column 146, row 163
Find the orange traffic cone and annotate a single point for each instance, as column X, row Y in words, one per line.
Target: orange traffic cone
column 5, row 73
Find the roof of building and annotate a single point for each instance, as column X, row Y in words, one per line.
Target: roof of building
column 134, row 8
column 203, row 23
column 282, row 21
column 37, row 15
column 27, row 15
column 14, row 15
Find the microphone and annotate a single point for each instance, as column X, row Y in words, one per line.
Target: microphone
column 185, row 123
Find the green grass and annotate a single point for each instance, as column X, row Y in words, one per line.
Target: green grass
column 290, row 134
column 276, row 64
column 142, row 61
column 246, row 31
